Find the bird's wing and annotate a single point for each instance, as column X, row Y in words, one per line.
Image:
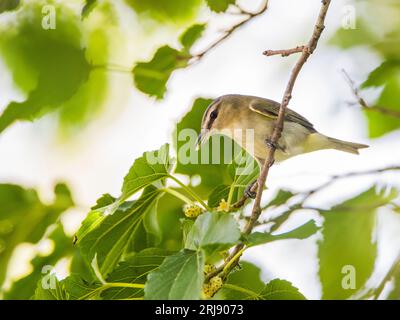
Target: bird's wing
column 270, row 109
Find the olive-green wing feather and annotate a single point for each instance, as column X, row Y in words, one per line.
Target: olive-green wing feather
column 270, row 109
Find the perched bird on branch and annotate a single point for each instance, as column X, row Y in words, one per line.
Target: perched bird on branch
column 250, row 121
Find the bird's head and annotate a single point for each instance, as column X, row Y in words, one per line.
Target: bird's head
column 221, row 114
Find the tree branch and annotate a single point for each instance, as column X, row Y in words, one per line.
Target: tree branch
column 285, row 52
column 277, row 132
column 227, row 33
column 363, row 103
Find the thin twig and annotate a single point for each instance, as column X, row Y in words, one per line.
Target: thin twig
column 334, row 178
column 227, row 33
column 285, row 52
column 256, row 211
column 363, row 103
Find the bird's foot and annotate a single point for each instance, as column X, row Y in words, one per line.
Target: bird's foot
column 249, row 192
column 271, row 144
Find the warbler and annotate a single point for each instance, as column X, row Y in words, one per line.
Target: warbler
column 250, row 121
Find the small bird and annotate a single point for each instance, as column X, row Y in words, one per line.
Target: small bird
column 233, row 114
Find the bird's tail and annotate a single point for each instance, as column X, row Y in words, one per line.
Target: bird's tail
column 318, row 141
column 345, row 146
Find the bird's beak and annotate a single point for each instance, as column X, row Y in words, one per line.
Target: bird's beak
column 201, row 138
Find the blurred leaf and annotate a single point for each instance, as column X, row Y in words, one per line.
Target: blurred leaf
column 191, row 35
column 180, row 277
column 212, row 232
column 395, row 292
column 387, row 75
column 22, row 289
column 88, row 7
column 176, row 11
column 347, row 38
column 152, row 77
column 281, row 198
column 134, row 270
column 24, row 218
column 348, row 241
column 219, row 5
column 49, row 65
column 7, row 5
column 149, row 168
column 106, row 236
column 303, row 232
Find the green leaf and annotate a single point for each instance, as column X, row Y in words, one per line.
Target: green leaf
column 243, row 170
column 348, row 244
column 180, row 277
column 303, row 232
column 106, row 236
column 134, row 270
column 169, row 215
column 48, row 65
column 24, row 218
column 149, row 168
column 7, row 5
column 245, row 284
column 212, row 232
column 23, row 288
column 281, row 198
column 387, row 75
column 278, row 289
column 220, row 192
column 191, row 35
column 56, row 293
column 242, row 284
column 219, row 5
column 152, row 77
column 78, row 288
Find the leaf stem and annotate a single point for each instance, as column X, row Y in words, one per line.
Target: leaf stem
column 227, row 268
column 191, row 192
column 177, row 195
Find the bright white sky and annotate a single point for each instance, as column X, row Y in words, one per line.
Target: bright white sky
column 96, row 162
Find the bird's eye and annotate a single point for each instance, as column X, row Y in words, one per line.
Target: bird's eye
column 213, row 114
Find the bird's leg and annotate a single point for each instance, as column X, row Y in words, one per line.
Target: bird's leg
column 249, row 190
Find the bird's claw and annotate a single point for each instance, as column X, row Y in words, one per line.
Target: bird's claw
column 248, row 192
column 271, row 144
